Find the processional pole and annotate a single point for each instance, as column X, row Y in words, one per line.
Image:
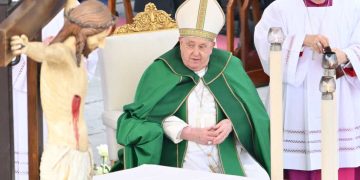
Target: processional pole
column 276, row 38
column 329, row 123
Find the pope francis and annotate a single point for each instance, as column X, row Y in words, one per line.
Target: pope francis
column 195, row 107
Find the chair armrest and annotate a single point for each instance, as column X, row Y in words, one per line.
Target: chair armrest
column 110, row 121
column 110, row 118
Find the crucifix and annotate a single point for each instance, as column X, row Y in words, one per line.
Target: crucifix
column 27, row 17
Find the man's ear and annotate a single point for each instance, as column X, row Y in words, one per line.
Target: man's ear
column 180, row 38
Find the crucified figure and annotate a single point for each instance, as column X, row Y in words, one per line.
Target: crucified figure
column 63, row 86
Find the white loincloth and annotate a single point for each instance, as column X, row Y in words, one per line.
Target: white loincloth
column 65, row 163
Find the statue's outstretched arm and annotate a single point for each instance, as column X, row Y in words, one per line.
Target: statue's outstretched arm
column 39, row 51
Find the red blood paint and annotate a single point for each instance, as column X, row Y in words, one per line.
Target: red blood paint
column 75, row 113
column 350, row 71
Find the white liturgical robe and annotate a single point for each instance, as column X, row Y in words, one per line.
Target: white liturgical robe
column 201, row 110
column 340, row 23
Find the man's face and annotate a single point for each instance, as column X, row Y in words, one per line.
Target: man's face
column 195, row 52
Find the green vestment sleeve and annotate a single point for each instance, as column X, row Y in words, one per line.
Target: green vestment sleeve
column 141, row 137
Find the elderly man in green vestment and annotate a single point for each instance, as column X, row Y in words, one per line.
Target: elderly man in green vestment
column 195, row 107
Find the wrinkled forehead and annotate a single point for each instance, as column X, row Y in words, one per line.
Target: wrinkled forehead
column 195, row 40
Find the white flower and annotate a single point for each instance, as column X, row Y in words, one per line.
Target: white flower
column 104, row 154
column 103, row 150
column 102, row 169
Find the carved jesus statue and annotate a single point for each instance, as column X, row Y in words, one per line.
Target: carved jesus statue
column 63, row 86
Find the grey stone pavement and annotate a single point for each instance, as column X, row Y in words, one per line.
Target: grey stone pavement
column 93, row 109
column 94, row 106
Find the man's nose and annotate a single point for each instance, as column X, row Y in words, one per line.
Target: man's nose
column 196, row 50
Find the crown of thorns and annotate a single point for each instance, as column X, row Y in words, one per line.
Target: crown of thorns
column 88, row 25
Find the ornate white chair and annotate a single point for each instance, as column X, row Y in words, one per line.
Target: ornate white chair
column 124, row 58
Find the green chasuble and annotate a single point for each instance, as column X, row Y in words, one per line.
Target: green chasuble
column 162, row 91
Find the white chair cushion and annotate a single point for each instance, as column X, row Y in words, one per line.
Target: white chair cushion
column 124, row 59
column 122, row 62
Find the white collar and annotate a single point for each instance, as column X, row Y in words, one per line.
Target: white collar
column 201, row 72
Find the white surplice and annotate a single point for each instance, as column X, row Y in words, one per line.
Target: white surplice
column 340, row 23
column 20, row 119
column 201, row 109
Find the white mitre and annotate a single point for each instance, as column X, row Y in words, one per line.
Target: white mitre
column 200, row 18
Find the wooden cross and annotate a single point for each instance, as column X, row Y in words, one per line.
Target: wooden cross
column 28, row 18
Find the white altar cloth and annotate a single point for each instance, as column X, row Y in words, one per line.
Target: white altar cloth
column 151, row 172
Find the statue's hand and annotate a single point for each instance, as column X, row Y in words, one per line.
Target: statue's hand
column 19, row 44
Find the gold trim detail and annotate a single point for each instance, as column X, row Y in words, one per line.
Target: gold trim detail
column 238, row 153
column 201, row 14
column 198, row 33
column 186, row 120
column 177, row 155
column 246, row 113
column 149, row 20
column 124, row 158
column 222, row 71
column 164, row 60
